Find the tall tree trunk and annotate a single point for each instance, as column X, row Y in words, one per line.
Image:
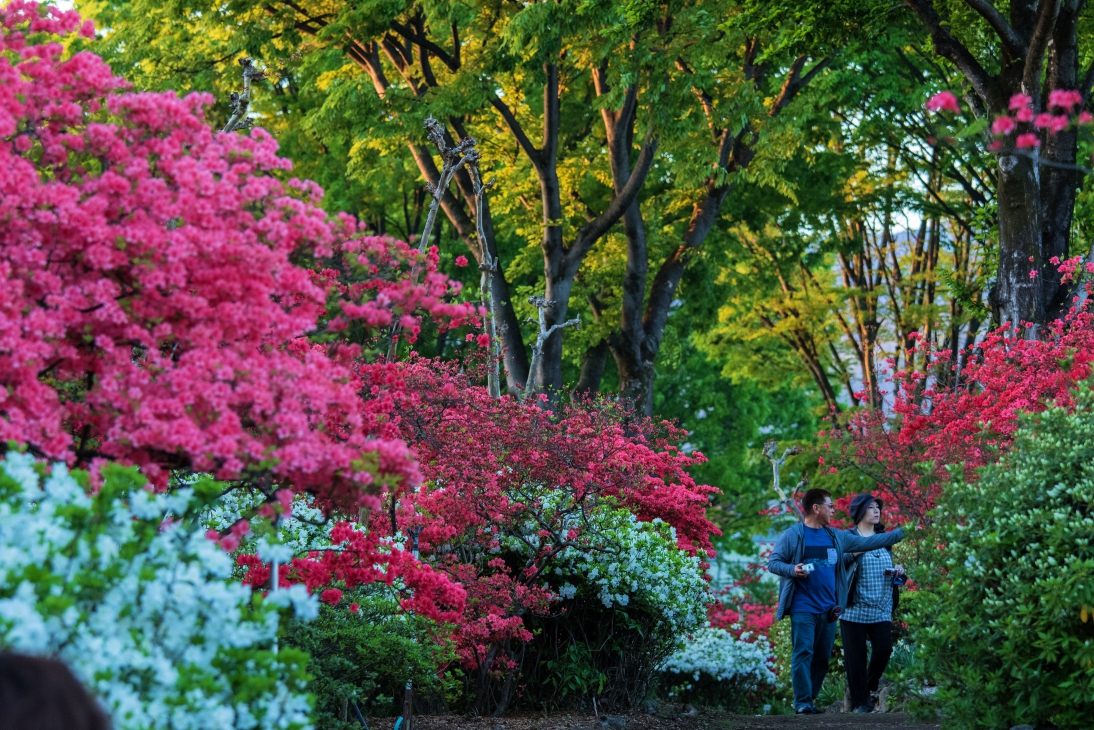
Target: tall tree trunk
column 630, row 346
column 559, row 281
column 593, row 364
column 636, row 345
column 561, row 263
column 1035, row 43
column 1058, row 185
column 1017, row 296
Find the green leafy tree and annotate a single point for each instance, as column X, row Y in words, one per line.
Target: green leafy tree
column 878, row 242
column 605, row 112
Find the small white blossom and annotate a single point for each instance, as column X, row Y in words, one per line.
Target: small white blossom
column 143, row 609
column 717, row 653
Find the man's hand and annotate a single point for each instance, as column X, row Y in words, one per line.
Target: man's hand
column 800, row 572
column 898, row 570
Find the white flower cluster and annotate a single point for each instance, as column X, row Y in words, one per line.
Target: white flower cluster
column 305, row 530
column 623, row 561
column 725, row 658
column 124, row 587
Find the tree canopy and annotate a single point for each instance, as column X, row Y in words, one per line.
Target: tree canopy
column 746, row 204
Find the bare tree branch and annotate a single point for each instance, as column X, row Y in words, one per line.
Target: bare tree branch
column 542, row 336
column 949, row 47
column 777, row 463
column 240, row 103
column 489, row 268
column 1013, row 45
column 1035, row 56
column 453, row 159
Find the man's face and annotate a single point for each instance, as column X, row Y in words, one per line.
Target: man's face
column 823, row 512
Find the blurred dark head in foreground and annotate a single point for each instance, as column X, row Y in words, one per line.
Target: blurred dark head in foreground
column 42, row 694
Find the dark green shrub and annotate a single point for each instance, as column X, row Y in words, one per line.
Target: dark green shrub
column 367, row 658
column 589, row 651
column 1006, row 631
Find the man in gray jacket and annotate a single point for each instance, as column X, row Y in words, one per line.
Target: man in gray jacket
column 808, row 558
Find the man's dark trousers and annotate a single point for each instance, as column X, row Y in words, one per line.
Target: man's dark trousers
column 861, row 681
column 812, row 636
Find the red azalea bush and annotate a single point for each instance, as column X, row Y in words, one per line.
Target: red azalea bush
column 746, row 604
column 944, row 417
column 509, row 487
column 510, row 492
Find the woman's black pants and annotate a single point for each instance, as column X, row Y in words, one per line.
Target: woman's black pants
column 862, row 680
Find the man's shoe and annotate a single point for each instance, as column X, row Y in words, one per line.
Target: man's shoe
column 864, row 708
column 808, row 710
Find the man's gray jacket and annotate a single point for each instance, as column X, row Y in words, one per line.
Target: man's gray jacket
column 790, row 547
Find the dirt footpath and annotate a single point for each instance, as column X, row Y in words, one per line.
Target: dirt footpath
column 873, row 721
column 703, row 721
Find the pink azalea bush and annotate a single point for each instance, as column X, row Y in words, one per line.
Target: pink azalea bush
column 154, row 309
column 151, row 308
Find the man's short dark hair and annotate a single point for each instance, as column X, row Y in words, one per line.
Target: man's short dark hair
column 813, row 496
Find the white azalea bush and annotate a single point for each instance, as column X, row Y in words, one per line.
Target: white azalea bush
column 621, row 561
column 718, row 667
column 124, row 587
column 635, row 561
column 724, row 657
column 625, row 596
column 302, row 531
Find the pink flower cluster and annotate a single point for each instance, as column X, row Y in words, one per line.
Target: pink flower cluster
column 1068, row 102
column 151, row 312
column 1022, row 112
column 944, row 101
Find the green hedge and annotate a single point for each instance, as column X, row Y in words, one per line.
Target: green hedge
column 1001, row 630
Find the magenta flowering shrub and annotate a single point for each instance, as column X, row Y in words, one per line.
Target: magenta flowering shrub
column 152, row 310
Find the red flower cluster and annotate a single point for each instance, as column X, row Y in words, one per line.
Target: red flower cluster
column 358, row 558
column 738, row 610
column 944, row 418
column 510, row 485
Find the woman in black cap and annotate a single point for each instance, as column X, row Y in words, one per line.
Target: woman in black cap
column 870, row 602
